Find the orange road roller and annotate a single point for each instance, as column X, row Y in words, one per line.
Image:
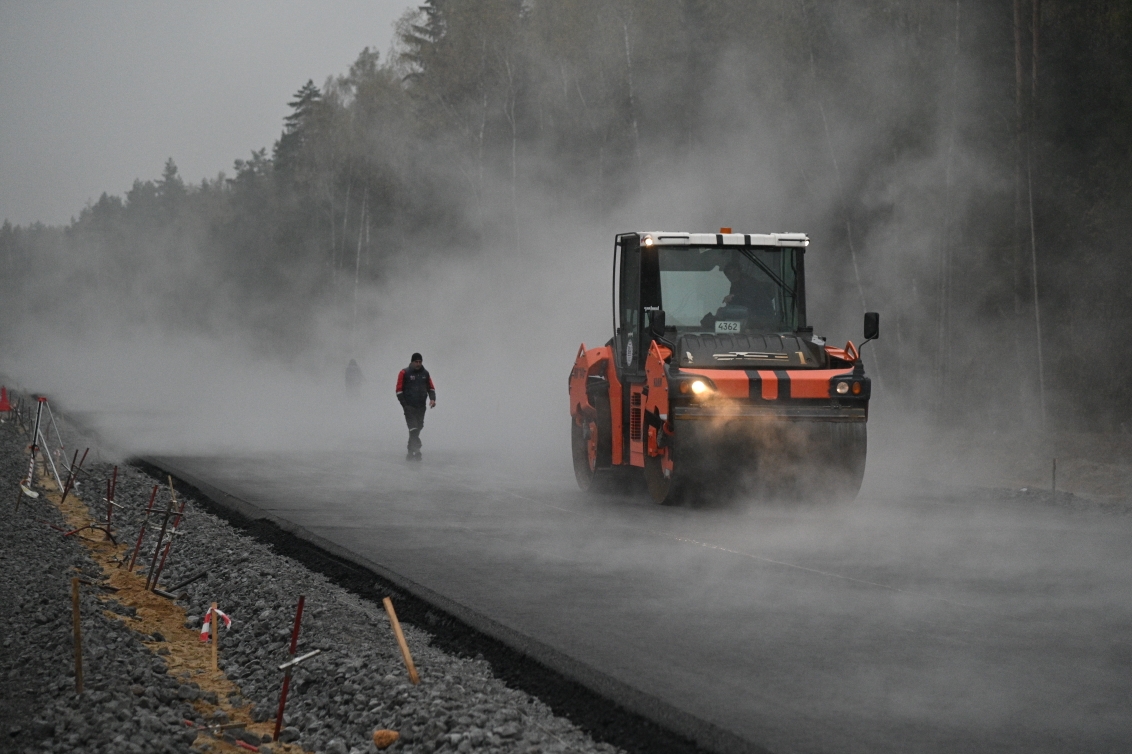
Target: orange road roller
column 713, row 381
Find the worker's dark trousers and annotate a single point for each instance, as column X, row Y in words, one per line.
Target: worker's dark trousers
column 414, row 418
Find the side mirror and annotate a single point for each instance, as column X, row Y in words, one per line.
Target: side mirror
column 656, row 325
column 872, row 325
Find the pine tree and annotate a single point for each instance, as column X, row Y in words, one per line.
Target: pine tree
column 297, row 128
column 170, row 187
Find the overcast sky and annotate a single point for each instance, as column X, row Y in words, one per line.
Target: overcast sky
column 96, row 94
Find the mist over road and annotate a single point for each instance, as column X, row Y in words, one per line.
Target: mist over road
column 962, row 168
column 914, row 619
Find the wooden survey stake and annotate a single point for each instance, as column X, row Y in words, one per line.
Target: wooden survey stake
column 413, row 677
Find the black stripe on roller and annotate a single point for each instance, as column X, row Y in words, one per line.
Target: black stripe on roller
column 783, row 383
column 755, row 385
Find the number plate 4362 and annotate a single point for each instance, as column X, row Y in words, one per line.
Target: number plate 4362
column 726, row 326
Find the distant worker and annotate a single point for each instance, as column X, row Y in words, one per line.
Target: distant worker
column 354, row 380
column 414, row 385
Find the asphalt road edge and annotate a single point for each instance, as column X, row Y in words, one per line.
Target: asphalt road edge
column 662, row 714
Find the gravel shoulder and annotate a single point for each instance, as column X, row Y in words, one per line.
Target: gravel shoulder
column 149, row 677
column 1095, row 467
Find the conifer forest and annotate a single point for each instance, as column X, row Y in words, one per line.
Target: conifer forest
column 961, row 166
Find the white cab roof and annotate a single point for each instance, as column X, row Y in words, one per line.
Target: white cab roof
column 675, row 238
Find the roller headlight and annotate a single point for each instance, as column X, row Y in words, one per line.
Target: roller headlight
column 697, row 386
column 850, row 387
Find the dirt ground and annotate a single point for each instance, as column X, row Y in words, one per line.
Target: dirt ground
column 185, row 655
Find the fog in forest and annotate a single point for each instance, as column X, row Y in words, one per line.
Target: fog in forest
column 458, row 195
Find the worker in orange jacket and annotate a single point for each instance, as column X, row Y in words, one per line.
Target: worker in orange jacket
column 414, row 386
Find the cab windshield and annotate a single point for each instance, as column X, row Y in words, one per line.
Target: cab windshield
column 730, row 289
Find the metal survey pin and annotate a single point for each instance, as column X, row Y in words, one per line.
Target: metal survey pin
column 297, row 660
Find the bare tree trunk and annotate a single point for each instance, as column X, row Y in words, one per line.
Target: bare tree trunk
column 333, row 237
column 593, row 132
column 483, row 108
column 477, row 184
column 632, row 103
column 1035, row 35
column 1037, row 304
column 362, row 224
column 345, row 217
column 840, row 194
column 1035, row 25
column 810, row 39
column 509, row 111
column 943, row 373
column 603, row 145
column 844, row 209
column 1017, row 232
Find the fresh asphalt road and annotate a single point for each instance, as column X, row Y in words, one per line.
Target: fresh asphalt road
column 909, row 620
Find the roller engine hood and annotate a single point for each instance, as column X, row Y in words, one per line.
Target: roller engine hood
column 748, row 351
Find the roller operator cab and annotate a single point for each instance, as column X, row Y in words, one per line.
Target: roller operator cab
column 713, row 380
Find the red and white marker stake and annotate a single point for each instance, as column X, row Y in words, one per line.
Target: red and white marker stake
column 211, row 622
column 206, row 627
column 25, row 485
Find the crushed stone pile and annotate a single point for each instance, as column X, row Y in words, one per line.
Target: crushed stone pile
column 147, row 673
column 131, row 704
